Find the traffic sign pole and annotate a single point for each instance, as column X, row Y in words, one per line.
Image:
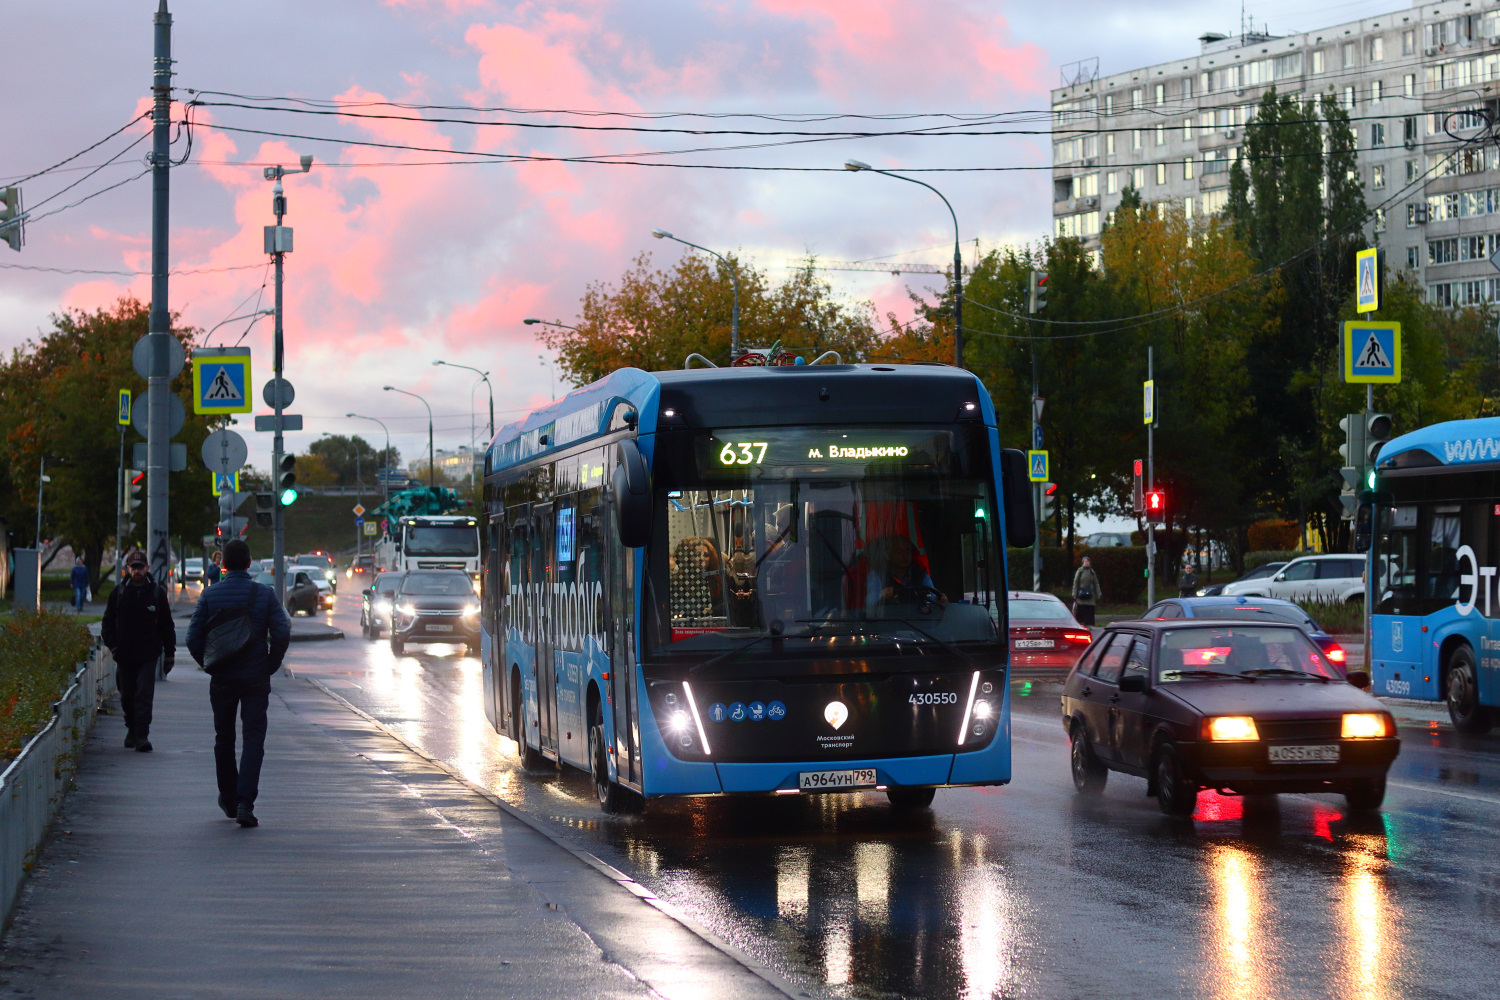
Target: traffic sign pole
column 158, row 353
column 1150, row 417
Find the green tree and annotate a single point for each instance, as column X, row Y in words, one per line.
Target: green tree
column 654, row 319
column 57, row 399
column 352, row 459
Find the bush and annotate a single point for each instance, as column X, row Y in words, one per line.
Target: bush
column 38, row 653
column 1338, row 617
column 1121, row 571
column 1055, row 570
column 1270, row 534
column 1260, row 558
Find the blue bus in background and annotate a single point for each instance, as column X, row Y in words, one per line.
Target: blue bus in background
column 769, row 579
column 1435, row 628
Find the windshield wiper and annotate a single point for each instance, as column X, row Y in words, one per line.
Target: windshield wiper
column 727, row 654
column 1287, row 672
column 1206, row 673
column 945, row 644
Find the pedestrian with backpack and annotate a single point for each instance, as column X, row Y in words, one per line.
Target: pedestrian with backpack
column 137, row 629
column 239, row 636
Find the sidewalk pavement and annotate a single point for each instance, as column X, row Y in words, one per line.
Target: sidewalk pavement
column 373, row 874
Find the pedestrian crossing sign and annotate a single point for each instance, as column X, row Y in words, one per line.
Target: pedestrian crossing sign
column 1367, row 281
column 221, row 380
column 1372, row 352
column 225, row 484
column 1037, row 460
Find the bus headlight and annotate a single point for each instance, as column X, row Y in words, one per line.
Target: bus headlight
column 982, row 710
column 1366, row 726
column 678, row 722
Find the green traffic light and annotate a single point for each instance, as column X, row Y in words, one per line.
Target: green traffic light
column 288, row 497
column 1370, row 479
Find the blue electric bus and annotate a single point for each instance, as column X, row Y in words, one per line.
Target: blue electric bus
column 1433, row 630
column 755, row 580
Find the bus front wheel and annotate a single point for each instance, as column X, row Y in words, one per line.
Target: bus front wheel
column 1463, row 693
column 612, row 797
column 903, row 799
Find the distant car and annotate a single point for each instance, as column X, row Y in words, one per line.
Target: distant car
column 1237, row 587
column 362, row 566
column 301, row 592
column 1108, row 540
column 192, row 569
column 323, row 562
column 435, row 606
column 1311, row 578
column 1245, row 708
column 1043, row 632
column 378, row 600
column 1253, row 609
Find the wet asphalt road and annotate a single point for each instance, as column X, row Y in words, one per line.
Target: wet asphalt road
column 1026, row 890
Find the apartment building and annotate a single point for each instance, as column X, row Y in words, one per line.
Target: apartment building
column 1411, row 80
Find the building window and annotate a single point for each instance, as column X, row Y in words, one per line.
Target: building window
column 1187, row 130
column 1135, row 138
column 1161, row 173
column 1320, row 62
column 1135, row 99
column 1409, row 43
column 1413, row 254
column 1109, row 144
column 1111, row 183
column 1380, row 220
column 1109, row 104
column 1187, row 88
column 1409, row 85
column 1138, row 178
column 1187, row 169
column 1411, row 171
column 1161, row 134
column 1214, row 202
column 1377, row 176
column 1159, row 92
column 1377, row 134
column 1349, row 101
column 1187, row 207
column 1351, row 54
column 1409, row 132
column 1377, row 91
column 1377, row 49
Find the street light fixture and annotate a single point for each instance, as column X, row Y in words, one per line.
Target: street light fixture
column 385, row 486
column 530, row 320
column 485, row 378
column 431, row 461
column 958, row 280
column 734, row 276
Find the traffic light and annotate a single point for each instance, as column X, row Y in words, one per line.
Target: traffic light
column 1036, row 292
column 265, row 509
column 1356, row 459
column 286, row 481
column 1378, row 430
column 11, row 217
column 1138, row 488
column 1156, row 507
column 1049, row 502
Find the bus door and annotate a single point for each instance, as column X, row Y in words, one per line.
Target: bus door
column 492, row 640
column 543, row 576
column 619, row 597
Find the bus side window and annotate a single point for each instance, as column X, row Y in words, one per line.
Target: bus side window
column 519, row 565
column 1442, row 557
column 589, row 541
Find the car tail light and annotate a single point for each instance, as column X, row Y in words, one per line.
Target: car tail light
column 1231, row 729
column 1083, row 637
column 1336, row 653
column 1366, row 726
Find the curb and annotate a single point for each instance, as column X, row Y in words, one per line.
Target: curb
column 317, row 636
column 645, row 895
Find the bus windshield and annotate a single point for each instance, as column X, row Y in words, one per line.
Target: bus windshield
column 442, row 540
column 872, row 536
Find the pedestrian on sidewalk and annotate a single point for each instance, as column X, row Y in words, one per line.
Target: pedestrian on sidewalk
column 138, row 631
column 79, row 578
column 1187, row 583
column 239, row 635
column 1085, row 592
column 213, row 573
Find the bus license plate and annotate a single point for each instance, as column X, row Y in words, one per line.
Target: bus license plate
column 1325, row 753
column 440, row 628
column 817, row 781
column 1034, row 643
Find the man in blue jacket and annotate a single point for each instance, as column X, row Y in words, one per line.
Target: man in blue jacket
column 243, row 683
column 79, row 578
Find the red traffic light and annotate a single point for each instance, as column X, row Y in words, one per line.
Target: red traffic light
column 1051, row 490
column 1156, row 506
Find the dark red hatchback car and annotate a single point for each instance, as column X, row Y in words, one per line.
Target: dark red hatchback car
column 1240, row 707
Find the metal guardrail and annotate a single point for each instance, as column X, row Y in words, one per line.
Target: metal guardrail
column 32, row 785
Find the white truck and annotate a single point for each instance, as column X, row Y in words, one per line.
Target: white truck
column 430, row 541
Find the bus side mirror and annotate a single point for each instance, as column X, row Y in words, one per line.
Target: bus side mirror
column 633, row 496
column 1020, row 515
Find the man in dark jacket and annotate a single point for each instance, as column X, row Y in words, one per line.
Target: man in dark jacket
column 243, row 682
column 138, row 630
column 79, row 578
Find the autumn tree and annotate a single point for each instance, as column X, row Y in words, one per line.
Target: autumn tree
column 350, row 460
column 57, row 399
column 653, row 319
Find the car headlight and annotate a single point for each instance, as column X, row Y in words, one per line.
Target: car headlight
column 1366, row 726
column 1232, row 729
column 383, row 606
column 407, row 609
column 471, row 610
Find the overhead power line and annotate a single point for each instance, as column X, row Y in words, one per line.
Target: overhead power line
column 86, row 149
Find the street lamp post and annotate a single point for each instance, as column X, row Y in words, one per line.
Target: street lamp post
column 431, row 461
column 485, row 378
column 385, row 489
column 958, row 261
column 734, row 277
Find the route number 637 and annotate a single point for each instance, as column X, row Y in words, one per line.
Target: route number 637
column 743, row 453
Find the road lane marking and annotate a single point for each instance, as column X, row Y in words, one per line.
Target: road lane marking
column 1486, row 799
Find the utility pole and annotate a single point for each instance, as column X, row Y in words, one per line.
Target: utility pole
column 120, row 511
column 159, row 366
column 1036, row 488
column 1151, row 479
column 41, row 480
